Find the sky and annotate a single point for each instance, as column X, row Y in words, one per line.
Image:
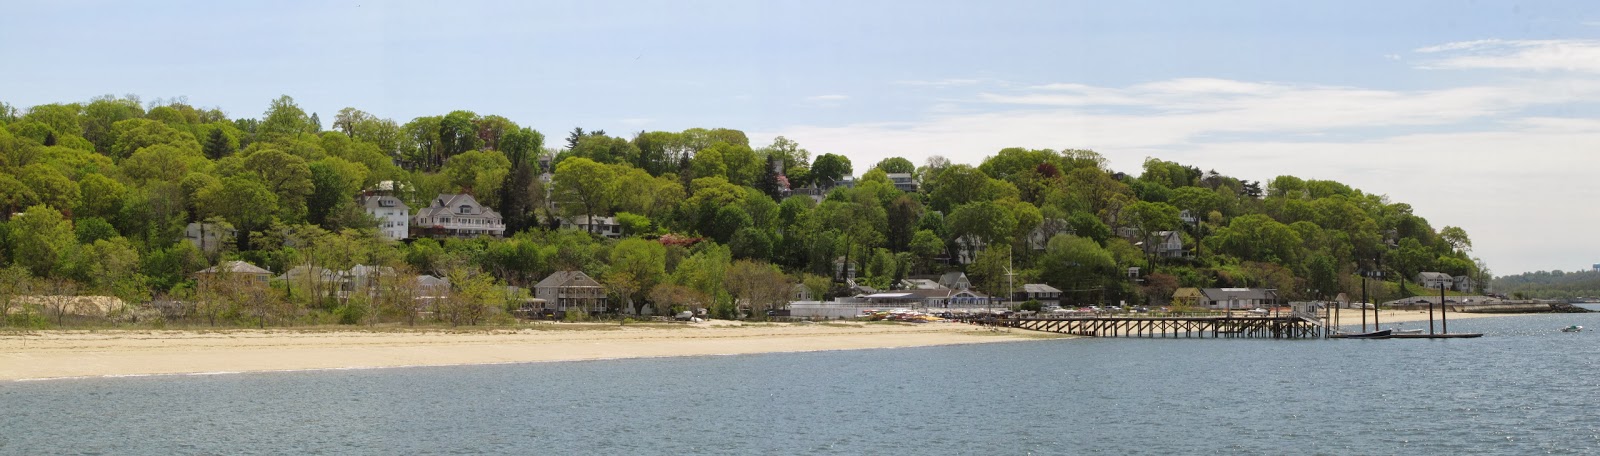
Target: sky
column 1479, row 114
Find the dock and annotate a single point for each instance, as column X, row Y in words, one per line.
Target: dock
column 1206, row 326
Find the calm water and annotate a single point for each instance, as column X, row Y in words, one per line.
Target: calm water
column 1524, row 388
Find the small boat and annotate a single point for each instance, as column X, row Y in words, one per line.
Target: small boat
column 1406, row 331
column 1572, row 329
column 1384, row 334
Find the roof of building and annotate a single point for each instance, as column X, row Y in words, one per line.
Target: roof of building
column 950, row 278
column 1221, row 294
column 447, row 204
column 374, row 202
column 236, row 267
column 431, row 281
column 923, row 284
column 567, row 279
column 1434, row 276
column 1039, row 288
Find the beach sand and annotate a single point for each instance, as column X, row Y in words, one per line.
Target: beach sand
column 1349, row 317
column 70, row 354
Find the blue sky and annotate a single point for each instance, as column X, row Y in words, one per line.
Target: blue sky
column 1479, row 114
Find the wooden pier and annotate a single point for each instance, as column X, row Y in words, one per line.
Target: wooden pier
column 1218, row 326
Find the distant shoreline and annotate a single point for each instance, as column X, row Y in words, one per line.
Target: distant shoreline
column 42, row 355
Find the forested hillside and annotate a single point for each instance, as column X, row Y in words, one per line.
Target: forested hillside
column 1550, row 285
column 96, row 195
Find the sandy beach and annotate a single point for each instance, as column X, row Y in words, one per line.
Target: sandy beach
column 69, row 354
column 1349, row 317
column 37, row 355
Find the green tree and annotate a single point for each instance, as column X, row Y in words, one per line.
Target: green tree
column 283, row 119
column 243, row 201
column 43, row 241
column 896, row 165
column 583, row 187
column 636, row 266
column 829, row 168
column 287, row 176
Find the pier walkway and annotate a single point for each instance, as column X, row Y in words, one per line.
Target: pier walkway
column 1205, row 326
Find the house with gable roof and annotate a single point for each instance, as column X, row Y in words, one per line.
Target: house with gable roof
column 565, row 290
column 457, row 215
column 1435, row 280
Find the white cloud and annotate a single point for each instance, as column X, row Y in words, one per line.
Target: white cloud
column 1528, row 55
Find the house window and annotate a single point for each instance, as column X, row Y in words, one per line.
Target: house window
column 464, row 209
column 385, row 203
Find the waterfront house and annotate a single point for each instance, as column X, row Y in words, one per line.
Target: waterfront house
column 800, row 292
column 1187, row 296
column 1463, row 284
column 565, row 290
column 955, row 280
column 943, row 298
column 457, row 215
column 1237, row 298
column 920, row 284
column 1046, row 295
column 1435, row 280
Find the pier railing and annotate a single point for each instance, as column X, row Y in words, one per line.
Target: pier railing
column 1207, row 326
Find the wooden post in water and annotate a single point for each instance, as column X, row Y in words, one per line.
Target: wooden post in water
column 1363, row 301
column 1443, row 322
column 1430, row 309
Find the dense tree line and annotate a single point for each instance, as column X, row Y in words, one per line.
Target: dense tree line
column 1555, row 284
column 97, row 194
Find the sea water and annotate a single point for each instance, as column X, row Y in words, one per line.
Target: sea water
column 1523, row 388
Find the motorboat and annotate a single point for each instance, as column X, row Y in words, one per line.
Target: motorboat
column 1384, row 334
column 1406, row 331
column 1572, row 329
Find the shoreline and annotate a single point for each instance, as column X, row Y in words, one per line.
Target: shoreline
column 47, row 355
column 79, row 354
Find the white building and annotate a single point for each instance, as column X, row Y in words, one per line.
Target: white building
column 457, row 215
column 394, row 217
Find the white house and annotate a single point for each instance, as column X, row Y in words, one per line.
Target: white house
column 604, row 226
column 394, row 217
column 457, row 215
column 1463, row 284
column 1166, row 244
column 1435, row 280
